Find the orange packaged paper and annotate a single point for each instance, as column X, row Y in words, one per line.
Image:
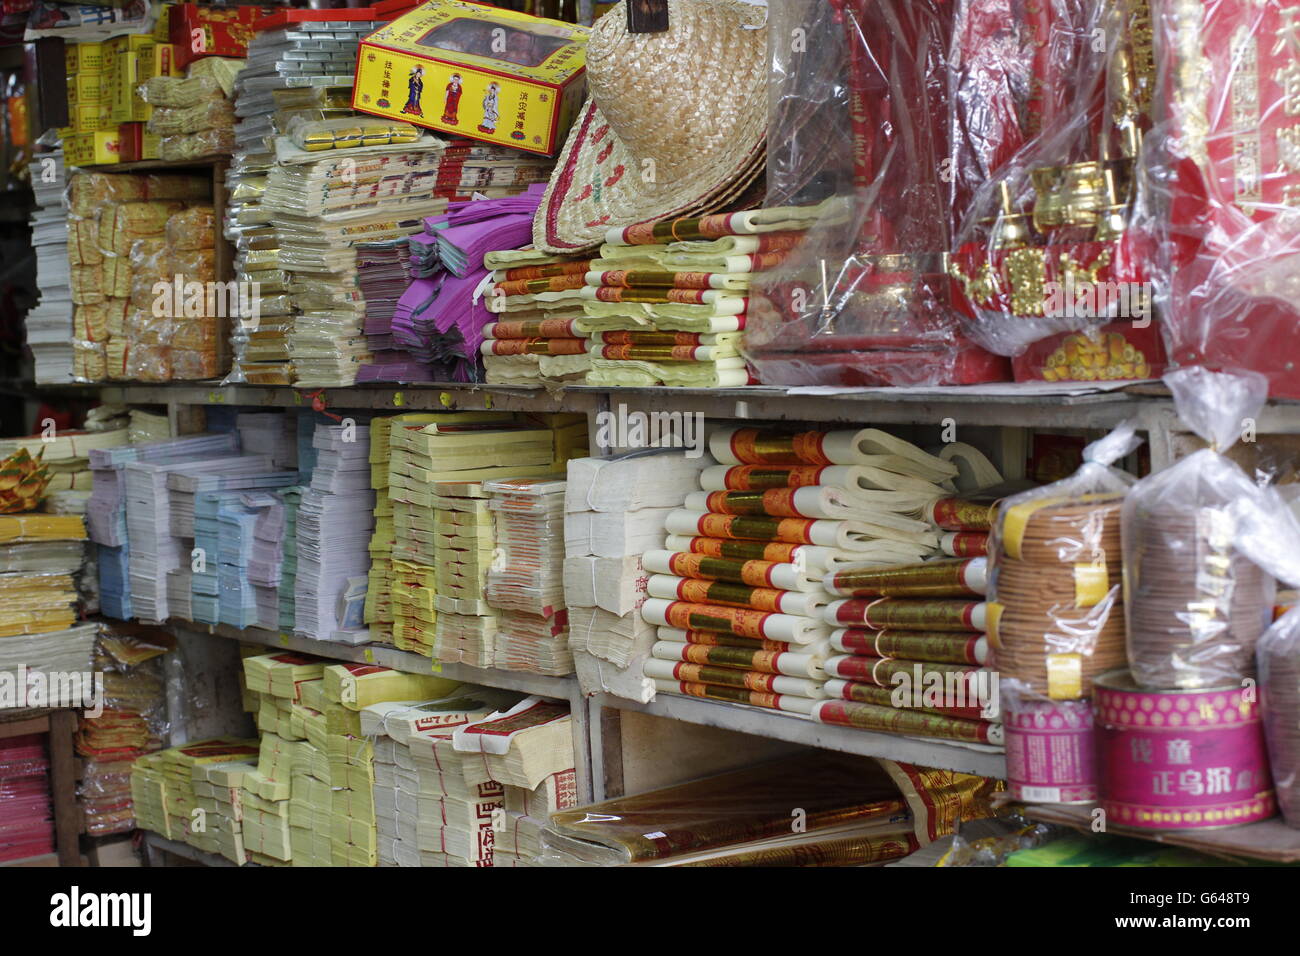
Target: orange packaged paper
column 475, row 71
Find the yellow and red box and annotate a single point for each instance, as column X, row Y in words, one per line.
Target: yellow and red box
column 93, row 149
column 137, row 143
column 86, row 118
column 81, row 57
column 212, row 31
column 122, row 59
column 475, row 71
column 164, row 62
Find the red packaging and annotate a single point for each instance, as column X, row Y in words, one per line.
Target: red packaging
column 1117, row 351
column 1226, row 176
column 212, row 31
column 130, row 139
column 862, row 117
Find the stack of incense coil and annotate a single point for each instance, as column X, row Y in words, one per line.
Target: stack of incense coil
column 1196, row 605
column 737, row 594
column 908, row 651
column 1056, row 612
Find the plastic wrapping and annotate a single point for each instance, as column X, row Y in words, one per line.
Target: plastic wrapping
column 207, row 115
column 209, row 142
column 860, row 112
column 1195, row 605
column 179, row 92
column 123, row 223
column 134, row 722
column 1222, row 185
column 1268, row 532
column 733, row 810
column 1052, row 104
column 1055, row 583
column 192, row 228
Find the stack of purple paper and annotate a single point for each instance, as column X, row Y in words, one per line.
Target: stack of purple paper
column 433, row 331
column 469, row 230
column 382, row 274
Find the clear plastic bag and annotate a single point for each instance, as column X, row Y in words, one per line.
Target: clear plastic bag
column 1055, row 576
column 178, row 92
column 1268, row 532
column 860, row 106
column 1221, row 181
column 192, row 228
column 1195, row 604
column 1051, row 105
column 209, row 142
column 206, row 115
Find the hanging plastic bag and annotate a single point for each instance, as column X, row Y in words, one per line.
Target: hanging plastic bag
column 1269, row 533
column 1195, row 604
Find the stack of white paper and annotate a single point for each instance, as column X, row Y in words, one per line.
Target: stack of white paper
column 61, row 355
column 154, row 550
column 334, row 523
column 615, row 509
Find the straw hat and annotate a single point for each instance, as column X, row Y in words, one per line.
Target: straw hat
column 674, row 124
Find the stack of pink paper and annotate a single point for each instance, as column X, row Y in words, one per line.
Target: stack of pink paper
column 26, row 821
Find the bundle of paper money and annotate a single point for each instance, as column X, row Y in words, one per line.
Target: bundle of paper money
column 523, row 745
column 163, row 786
column 525, row 582
column 442, row 527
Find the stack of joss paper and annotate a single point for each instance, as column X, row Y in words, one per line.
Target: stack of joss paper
column 218, row 791
column 439, row 807
column 40, row 557
column 379, row 600
column 442, row 528
column 737, row 593
column 661, row 303
column 525, row 583
column 534, row 339
column 854, row 811
column 352, row 831
column 162, row 785
column 909, row 650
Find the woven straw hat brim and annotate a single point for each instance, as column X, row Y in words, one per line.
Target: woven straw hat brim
column 692, row 121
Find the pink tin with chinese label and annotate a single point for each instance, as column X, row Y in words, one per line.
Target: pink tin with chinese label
column 1050, row 751
column 1180, row 759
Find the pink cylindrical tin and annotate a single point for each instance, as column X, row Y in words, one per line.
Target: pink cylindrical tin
column 1050, row 751
column 1180, row 759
